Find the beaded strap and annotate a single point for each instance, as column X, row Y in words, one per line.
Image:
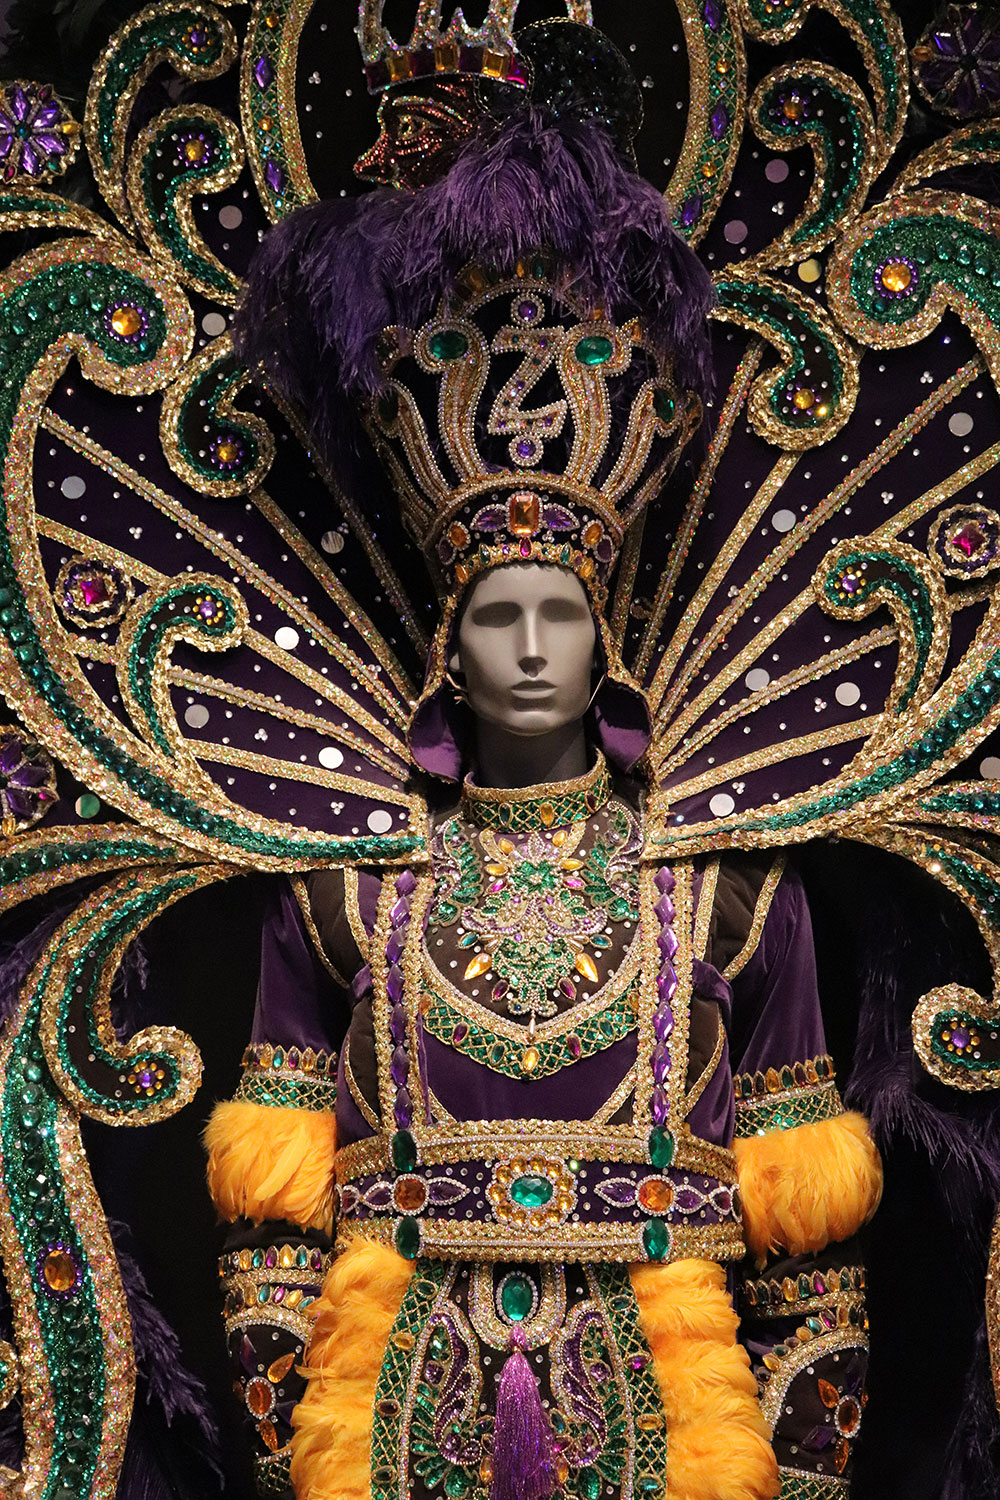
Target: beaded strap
column 288, row 1078
column 802, row 1093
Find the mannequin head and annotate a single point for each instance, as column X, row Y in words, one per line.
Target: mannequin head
column 524, row 654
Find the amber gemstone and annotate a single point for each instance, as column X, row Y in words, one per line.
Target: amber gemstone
column 848, row 1415
column 409, row 1194
column 530, row 1058
column 562, row 1471
column 259, row 1397
column 267, row 1432
column 585, row 965
column 195, row 151
column 592, row 533
column 896, row 276
column 547, row 813
column 841, row 1454
column 792, row 107
column 227, row 452
column 486, row 1471
column 59, row 1271
column 126, row 322
column 457, row 535
column 523, row 514
column 803, row 399
column 277, row 1371
column 650, row 1421
column 478, row 966
column 828, row 1394
column 656, row 1195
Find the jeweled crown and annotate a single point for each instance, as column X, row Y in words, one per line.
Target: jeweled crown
column 456, row 47
column 517, row 427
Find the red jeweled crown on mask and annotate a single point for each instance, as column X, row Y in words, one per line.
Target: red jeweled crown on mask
column 437, row 49
column 516, row 427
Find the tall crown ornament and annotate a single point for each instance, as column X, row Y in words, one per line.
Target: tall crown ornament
column 436, row 48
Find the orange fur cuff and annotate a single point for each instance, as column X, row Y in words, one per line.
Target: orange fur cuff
column 268, row 1163
column 331, row 1447
column 718, row 1444
column 806, row 1187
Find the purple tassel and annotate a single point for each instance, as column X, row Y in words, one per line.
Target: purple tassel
column 522, row 1450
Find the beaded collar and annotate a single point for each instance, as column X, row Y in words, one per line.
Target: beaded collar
column 528, row 809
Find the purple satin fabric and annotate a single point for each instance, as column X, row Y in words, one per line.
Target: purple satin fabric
column 298, row 1004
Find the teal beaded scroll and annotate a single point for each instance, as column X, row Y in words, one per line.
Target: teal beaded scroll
column 206, row 443
column 71, row 1321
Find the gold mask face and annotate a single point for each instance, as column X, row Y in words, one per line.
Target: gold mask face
column 420, row 134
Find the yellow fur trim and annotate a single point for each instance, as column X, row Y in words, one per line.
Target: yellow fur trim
column 331, row 1448
column 806, row 1187
column 718, row 1444
column 266, row 1163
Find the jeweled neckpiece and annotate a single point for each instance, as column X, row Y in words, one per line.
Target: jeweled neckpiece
column 532, row 809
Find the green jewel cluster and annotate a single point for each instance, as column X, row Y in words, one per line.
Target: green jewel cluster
column 503, row 1055
column 181, row 32
column 720, row 118
column 422, row 1292
column 858, row 576
column 165, row 172
column 841, row 145
column 204, row 610
column 788, row 328
column 938, row 250
column 202, row 404
column 76, row 299
column 25, row 863
column 461, row 881
column 648, row 1430
column 157, row 1075
column 806, row 1107
column 51, row 1251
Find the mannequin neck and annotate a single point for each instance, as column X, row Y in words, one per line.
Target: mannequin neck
column 506, row 759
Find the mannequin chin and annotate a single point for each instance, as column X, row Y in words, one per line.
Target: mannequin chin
column 525, row 649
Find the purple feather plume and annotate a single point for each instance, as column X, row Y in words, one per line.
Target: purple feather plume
column 522, row 1448
column 330, row 278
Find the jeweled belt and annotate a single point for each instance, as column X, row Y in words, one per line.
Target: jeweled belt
column 544, row 1197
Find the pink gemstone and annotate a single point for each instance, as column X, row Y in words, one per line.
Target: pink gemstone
column 93, row 588
column 969, row 538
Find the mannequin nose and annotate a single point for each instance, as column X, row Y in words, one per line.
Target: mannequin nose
column 531, row 658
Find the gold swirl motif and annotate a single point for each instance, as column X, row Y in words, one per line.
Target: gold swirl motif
column 171, row 414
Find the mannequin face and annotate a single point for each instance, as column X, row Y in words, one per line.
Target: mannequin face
column 526, row 648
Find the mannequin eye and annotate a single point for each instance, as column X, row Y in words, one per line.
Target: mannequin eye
column 564, row 611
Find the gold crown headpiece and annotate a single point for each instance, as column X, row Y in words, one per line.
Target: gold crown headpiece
column 486, row 51
column 517, row 427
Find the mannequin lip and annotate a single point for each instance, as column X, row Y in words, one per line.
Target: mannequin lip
column 532, row 686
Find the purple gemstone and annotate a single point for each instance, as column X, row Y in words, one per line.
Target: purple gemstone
column 527, row 311
column 558, row 519
column 445, row 1190
column 574, row 1046
column 661, row 1063
column 406, row 883
column 316, row 1260
column 665, row 909
column 395, row 946
column 20, row 104
column 618, row 1190
column 719, row 121
column 526, row 449
column 278, row 1294
column 666, row 982
column 664, row 879
column 712, row 14
column 422, row 62
column 491, row 519
column 394, row 983
column 6, row 141
column 959, row 1035
column 52, row 145
column 248, row 1356
column 46, row 116
column 638, row 1362
column 404, row 1109
column 667, row 942
column 275, row 177
column 20, row 803
column 397, row 1023
column 263, row 72
column 661, row 1106
column 399, row 1067
column 197, row 37
column 663, row 1022
column 691, row 210
column 688, row 1199
column 10, row 754
column 400, row 912
column 460, row 1032
column 516, row 74
column 605, row 549
column 31, row 162
column 271, row 1258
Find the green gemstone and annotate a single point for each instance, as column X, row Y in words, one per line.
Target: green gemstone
column 648, row 1484
column 531, row 1191
column 404, row 1151
column 595, row 350
column 408, row 1238
column 661, row 1147
column 656, row 1239
column 589, row 1484
column 517, row 1298
column 448, row 344
column 456, row 1483
column 664, row 405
